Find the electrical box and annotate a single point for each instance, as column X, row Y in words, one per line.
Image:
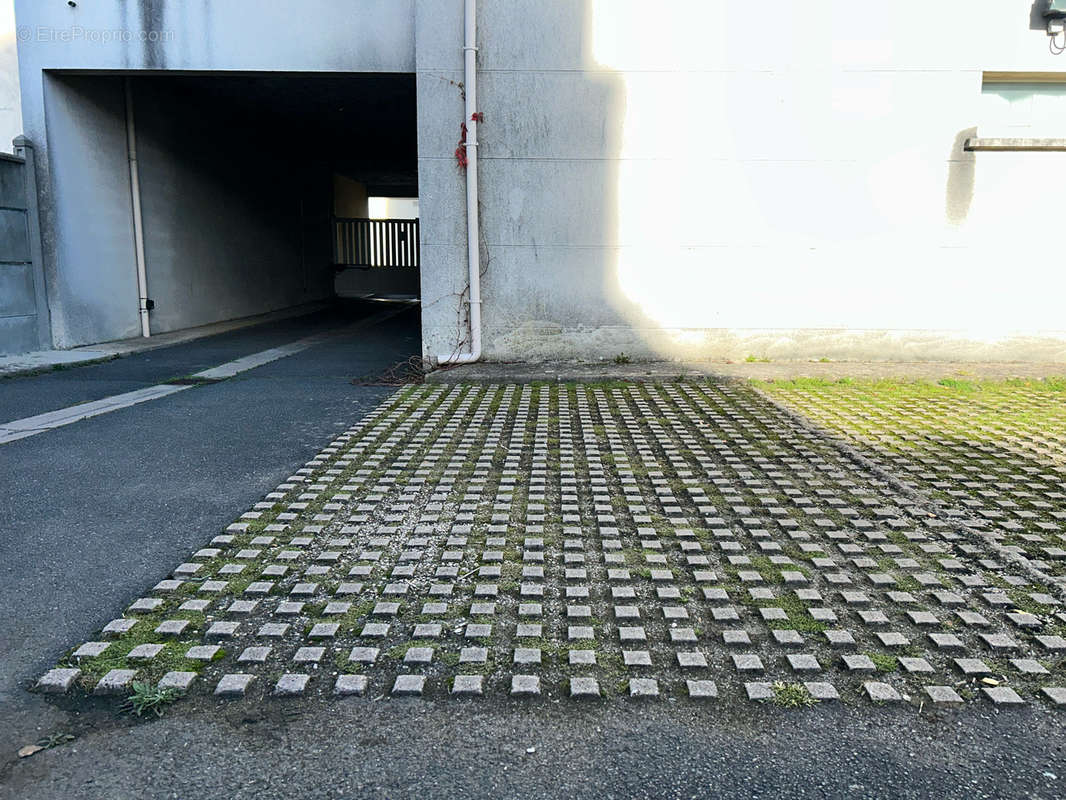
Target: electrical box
column 1054, row 9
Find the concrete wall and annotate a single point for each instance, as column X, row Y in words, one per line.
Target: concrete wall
column 716, row 178
column 77, row 122
column 23, row 312
column 701, row 178
column 387, row 282
column 441, row 192
column 92, row 278
column 234, row 224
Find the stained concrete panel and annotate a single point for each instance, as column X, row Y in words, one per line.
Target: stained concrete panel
column 16, row 290
column 18, row 334
column 12, row 182
column 14, row 242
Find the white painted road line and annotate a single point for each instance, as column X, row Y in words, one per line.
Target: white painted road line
column 31, row 426
column 231, row 368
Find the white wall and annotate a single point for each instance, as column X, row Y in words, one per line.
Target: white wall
column 392, row 207
column 718, row 178
column 93, row 296
column 10, row 108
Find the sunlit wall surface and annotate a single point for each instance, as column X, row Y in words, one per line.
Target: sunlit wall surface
column 802, row 168
column 777, row 179
column 10, row 111
column 392, row 207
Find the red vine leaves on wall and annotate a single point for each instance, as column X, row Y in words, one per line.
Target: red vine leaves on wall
column 460, row 151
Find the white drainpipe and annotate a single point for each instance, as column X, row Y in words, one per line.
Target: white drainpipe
column 473, row 255
column 138, row 227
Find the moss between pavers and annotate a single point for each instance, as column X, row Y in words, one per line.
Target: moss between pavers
column 884, row 662
column 989, row 423
column 170, row 658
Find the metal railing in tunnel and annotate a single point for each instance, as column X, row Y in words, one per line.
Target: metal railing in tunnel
column 375, row 242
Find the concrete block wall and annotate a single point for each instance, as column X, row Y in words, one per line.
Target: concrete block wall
column 23, row 305
column 18, row 306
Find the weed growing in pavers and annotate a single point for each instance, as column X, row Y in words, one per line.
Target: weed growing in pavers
column 486, row 667
column 354, row 617
column 884, row 662
column 55, row 740
column 958, row 384
column 798, row 617
column 400, row 650
column 343, row 664
column 549, row 648
column 148, row 699
column 770, row 572
column 791, row 695
column 1023, row 601
column 609, row 661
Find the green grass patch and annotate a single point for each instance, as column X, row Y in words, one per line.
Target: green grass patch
column 170, row 658
column 884, row 662
column 400, row 650
column 791, row 695
column 146, row 699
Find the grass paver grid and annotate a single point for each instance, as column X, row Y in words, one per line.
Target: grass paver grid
column 632, row 540
column 992, row 452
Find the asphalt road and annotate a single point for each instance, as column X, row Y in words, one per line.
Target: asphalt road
column 24, row 397
column 366, row 748
column 93, row 513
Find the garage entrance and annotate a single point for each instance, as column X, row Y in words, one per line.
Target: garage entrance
column 243, row 182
